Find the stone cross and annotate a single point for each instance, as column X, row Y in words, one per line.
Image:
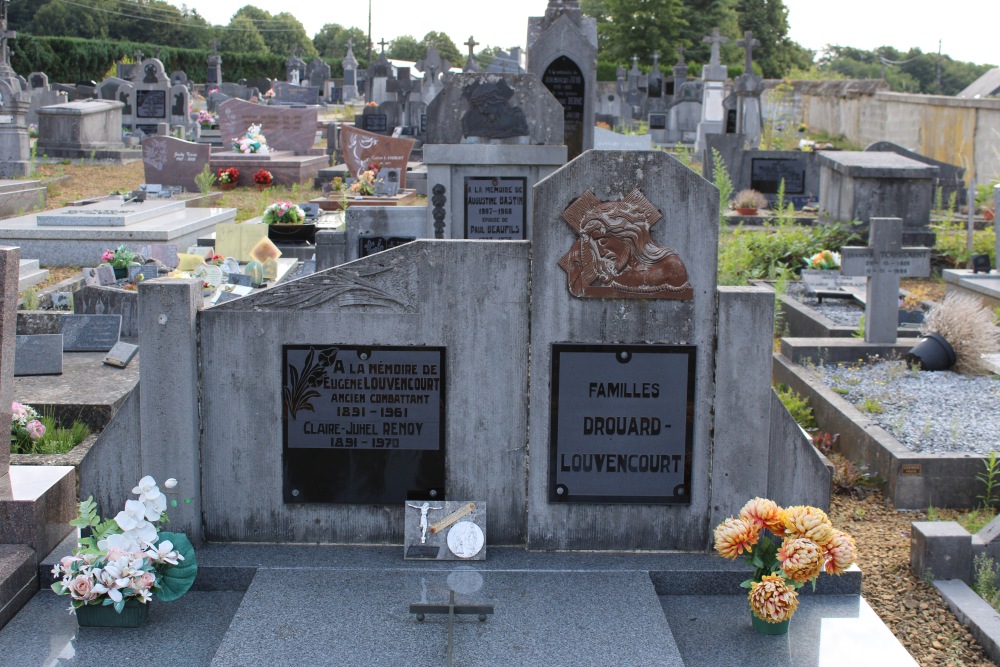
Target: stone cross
column 748, row 42
column 5, row 34
column 383, row 44
column 884, row 262
column 635, row 63
column 9, row 270
column 215, row 47
column 350, row 43
column 716, row 41
column 138, row 57
column 656, row 59
column 472, row 43
column 680, row 55
column 470, row 63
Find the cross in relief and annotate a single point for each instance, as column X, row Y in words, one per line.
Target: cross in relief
column 748, row 42
column 715, row 40
column 884, row 262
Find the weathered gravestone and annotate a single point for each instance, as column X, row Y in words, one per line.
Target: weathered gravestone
column 98, row 300
column 490, row 138
column 950, row 179
column 859, row 185
column 562, row 53
column 286, row 129
column 628, row 331
column 151, row 99
column 290, row 93
column 884, row 262
column 363, row 148
column 90, row 333
column 77, row 129
column 39, row 354
column 172, row 161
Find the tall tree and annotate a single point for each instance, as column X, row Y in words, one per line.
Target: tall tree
column 445, row 47
column 331, row 42
column 283, row 33
column 406, row 47
column 702, row 16
column 768, row 20
column 637, row 27
column 241, row 36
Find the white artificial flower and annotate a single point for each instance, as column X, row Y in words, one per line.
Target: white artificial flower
column 124, row 541
column 144, row 536
column 145, row 595
column 164, row 553
column 133, row 516
column 170, row 483
column 147, row 487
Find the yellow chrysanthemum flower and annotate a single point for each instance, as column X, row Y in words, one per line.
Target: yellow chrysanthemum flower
column 772, row 600
column 763, row 513
column 809, row 522
column 841, row 552
column 801, row 559
column 734, row 536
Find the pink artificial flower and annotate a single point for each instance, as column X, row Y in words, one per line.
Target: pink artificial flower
column 107, row 256
column 18, row 409
column 35, row 429
column 145, row 581
column 81, row 588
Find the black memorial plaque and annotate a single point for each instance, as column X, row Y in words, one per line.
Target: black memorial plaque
column 495, row 208
column 369, row 245
column 766, row 175
column 150, row 104
column 375, row 122
column 363, row 425
column 622, row 423
column 564, row 79
column 657, row 121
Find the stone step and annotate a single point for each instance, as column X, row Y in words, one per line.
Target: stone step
column 36, row 505
column 18, row 579
column 30, row 274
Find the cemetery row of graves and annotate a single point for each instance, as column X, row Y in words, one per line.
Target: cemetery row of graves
column 470, row 353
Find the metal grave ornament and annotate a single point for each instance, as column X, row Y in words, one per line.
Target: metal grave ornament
column 490, row 114
column 614, row 255
column 450, row 530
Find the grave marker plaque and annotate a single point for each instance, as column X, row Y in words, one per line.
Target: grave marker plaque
column 39, row 354
column 151, row 104
column 90, row 333
column 766, row 175
column 375, row 122
column 622, row 423
column 657, row 121
column 564, row 79
column 363, row 424
column 495, row 208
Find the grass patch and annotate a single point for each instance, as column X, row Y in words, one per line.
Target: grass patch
column 57, row 440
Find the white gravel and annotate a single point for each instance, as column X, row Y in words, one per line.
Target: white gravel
column 845, row 312
column 936, row 412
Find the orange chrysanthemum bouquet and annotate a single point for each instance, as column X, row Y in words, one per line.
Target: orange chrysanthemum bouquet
column 810, row 545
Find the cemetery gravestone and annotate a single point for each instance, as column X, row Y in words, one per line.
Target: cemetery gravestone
column 286, row 129
column 884, row 262
column 289, row 93
column 77, row 129
column 495, row 208
column 121, row 354
column 363, row 148
column 949, row 178
column 369, row 245
column 10, row 262
column 562, row 53
column 172, row 161
column 98, row 300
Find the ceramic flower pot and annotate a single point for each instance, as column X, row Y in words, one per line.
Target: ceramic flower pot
column 765, row 628
column 99, row 616
column 933, row 353
column 227, row 186
column 263, row 186
column 746, row 211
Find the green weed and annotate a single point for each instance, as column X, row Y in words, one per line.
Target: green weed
column 797, row 406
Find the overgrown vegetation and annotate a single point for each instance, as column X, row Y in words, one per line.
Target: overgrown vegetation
column 985, row 579
column 56, row 440
column 721, row 179
column 797, row 405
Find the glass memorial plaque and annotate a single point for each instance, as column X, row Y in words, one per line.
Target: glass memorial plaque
column 363, row 424
column 495, row 208
column 621, row 423
column 766, row 175
column 151, row 104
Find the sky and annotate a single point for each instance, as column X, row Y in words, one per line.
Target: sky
column 965, row 27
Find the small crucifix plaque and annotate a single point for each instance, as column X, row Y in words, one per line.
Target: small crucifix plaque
column 884, row 262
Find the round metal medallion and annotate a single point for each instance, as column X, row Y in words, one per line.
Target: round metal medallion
column 466, row 539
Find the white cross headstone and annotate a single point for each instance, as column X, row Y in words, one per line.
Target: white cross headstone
column 884, row 262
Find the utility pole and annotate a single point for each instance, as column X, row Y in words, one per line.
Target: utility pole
column 937, row 75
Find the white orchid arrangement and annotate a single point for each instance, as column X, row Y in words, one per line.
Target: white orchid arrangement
column 127, row 557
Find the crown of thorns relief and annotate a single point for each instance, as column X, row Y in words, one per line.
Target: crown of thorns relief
column 614, row 255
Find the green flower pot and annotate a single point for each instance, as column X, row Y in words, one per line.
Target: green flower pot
column 99, row 616
column 765, row 628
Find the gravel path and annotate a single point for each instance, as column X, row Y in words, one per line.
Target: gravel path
column 912, row 609
column 935, row 412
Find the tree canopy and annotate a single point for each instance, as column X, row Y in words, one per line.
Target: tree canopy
column 905, row 71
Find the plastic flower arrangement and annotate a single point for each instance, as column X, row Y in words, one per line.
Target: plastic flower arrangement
column 824, row 260
column 205, row 118
column 252, row 142
column 269, row 94
column 283, row 212
column 119, row 258
column 229, row 175
column 263, row 177
column 810, row 545
column 127, row 558
column 24, row 423
column 364, row 184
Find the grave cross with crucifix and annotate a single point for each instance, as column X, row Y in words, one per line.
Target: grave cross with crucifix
column 680, row 55
column 748, row 42
column 884, row 262
column 5, row 67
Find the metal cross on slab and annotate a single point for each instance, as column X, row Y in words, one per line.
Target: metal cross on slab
column 748, row 42
column 715, row 40
column 481, row 610
column 884, row 262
